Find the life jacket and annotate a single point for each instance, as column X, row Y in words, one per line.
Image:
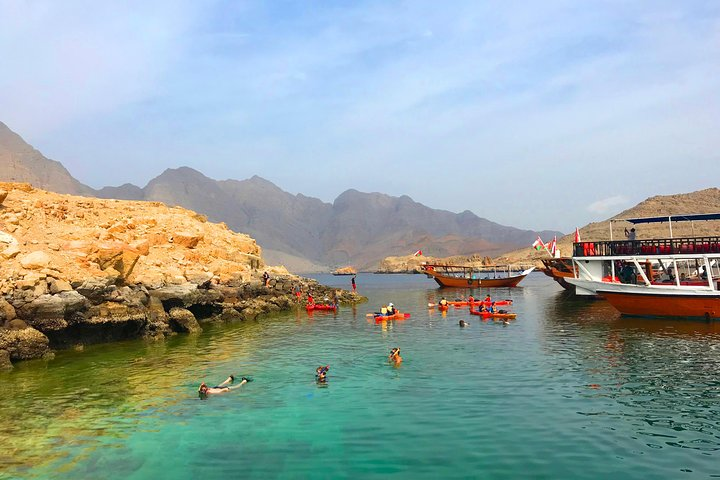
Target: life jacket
column 384, row 310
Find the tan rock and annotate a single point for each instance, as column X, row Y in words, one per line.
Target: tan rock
column 187, row 239
column 35, row 260
column 142, row 246
column 57, row 286
column 3, row 196
column 11, row 251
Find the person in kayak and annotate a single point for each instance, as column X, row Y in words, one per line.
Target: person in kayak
column 488, row 299
column 492, row 308
column 395, row 356
column 224, row 387
column 471, row 299
column 391, row 310
column 443, row 302
column 321, row 373
column 310, row 299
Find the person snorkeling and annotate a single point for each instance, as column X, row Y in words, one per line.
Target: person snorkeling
column 321, row 373
column 223, row 387
column 463, row 324
column 395, row 356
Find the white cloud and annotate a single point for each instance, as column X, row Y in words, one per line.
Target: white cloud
column 606, row 205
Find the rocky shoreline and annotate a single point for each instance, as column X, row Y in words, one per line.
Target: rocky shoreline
column 78, row 271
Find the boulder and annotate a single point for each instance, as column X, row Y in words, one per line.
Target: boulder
column 183, row 320
column 57, row 306
column 3, row 196
column 35, row 260
column 187, row 239
column 24, row 344
column 7, row 311
column 11, row 251
column 57, row 286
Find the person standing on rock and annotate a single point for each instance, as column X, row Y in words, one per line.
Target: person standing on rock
column 354, row 287
column 266, row 278
column 297, row 291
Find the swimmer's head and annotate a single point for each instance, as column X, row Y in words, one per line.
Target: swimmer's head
column 203, row 389
column 395, row 351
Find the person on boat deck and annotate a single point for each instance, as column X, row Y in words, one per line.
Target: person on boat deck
column 321, row 373
column 224, row 387
column 443, row 302
column 395, row 355
column 631, row 235
column 391, row 309
column 310, row 299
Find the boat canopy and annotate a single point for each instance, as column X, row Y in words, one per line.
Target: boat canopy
column 666, row 218
column 672, row 218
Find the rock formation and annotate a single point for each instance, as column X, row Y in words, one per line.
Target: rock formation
column 80, row 270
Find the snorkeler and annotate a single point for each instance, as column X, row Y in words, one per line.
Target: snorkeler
column 321, row 373
column 224, row 387
column 463, row 323
column 395, row 355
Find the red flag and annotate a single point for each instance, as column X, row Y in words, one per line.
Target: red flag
column 419, row 252
column 577, row 235
column 553, row 246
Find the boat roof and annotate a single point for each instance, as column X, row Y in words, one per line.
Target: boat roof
column 672, row 218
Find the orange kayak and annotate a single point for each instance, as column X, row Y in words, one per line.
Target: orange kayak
column 397, row 316
column 443, row 308
column 480, row 302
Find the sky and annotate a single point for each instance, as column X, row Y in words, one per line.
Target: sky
column 540, row 115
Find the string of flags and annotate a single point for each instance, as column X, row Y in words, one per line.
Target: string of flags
column 551, row 247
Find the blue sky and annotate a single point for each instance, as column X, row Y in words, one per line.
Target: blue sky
column 533, row 114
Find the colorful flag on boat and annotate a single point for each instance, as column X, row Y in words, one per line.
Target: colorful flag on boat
column 538, row 244
column 552, row 247
column 577, row 235
column 418, row 253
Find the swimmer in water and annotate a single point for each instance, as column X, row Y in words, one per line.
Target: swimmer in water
column 224, row 387
column 395, row 356
column 321, row 373
column 463, row 323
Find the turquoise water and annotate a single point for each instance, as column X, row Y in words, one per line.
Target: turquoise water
column 568, row 390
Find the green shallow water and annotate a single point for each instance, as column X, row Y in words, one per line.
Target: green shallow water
column 568, row 390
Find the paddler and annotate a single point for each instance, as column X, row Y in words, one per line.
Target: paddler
column 391, row 309
column 488, row 299
column 443, row 302
column 310, row 299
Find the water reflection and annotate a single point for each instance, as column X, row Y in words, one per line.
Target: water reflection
column 660, row 374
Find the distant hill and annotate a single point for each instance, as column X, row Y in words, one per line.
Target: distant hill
column 702, row 201
column 358, row 229
column 20, row 162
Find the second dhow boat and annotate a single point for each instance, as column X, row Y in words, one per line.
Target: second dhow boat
column 473, row 277
column 659, row 277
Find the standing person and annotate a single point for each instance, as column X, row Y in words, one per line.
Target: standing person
column 352, row 281
column 631, row 235
column 297, row 291
column 266, row 278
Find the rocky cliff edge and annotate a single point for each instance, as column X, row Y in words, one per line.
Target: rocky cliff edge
column 81, row 270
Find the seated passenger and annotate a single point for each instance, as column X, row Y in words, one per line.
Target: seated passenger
column 443, row 302
column 391, row 309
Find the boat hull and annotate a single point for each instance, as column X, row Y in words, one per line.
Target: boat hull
column 559, row 269
column 642, row 304
column 446, row 281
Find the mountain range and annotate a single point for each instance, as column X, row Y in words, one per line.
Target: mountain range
column 302, row 232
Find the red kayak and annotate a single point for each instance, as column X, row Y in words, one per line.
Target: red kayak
column 397, row 316
column 320, row 306
column 493, row 314
column 443, row 308
column 481, row 302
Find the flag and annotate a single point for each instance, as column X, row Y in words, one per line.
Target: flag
column 538, row 244
column 577, row 235
column 419, row 252
column 553, row 246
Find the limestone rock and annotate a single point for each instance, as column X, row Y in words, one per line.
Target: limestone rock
column 11, row 251
column 57, row 286
column 3, row 196
column 24, row 344
column 183, row 320
column 187, row 239
column 7, row 311
column 35, row 260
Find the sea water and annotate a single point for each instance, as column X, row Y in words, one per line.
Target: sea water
column 567, row 390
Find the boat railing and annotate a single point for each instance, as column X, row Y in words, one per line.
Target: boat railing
column 657, row 246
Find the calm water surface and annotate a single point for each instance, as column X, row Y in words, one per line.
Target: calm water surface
column 568, row 390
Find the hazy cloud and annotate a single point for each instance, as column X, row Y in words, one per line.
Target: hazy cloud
column 553, row 101
column 608, row 205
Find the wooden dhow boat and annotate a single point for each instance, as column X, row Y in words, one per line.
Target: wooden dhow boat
column 559, row 269
column 659, row 277
column 460, row 276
